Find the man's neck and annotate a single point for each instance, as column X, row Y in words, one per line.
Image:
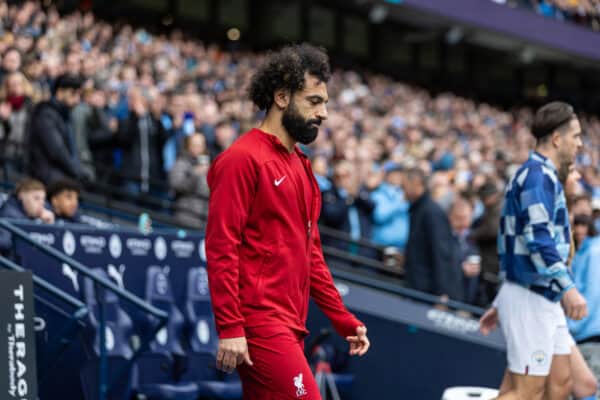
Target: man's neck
column 549, row 154
column 272, row 125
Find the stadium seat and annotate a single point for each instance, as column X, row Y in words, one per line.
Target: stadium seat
column 118, row 331
column 158, row 370
column 469, row 393
column 203, row 342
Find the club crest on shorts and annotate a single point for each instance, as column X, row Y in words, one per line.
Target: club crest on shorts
column 300, row 391
column 539, row 357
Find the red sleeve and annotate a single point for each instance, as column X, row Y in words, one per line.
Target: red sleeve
column 232, row 181
column 326, row 295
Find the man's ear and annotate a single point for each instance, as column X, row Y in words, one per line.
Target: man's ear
column 282, row 98
column 556, row 138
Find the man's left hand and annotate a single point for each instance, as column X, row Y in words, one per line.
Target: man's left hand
column 359, row 344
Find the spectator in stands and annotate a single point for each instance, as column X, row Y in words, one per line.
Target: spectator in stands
column 596, row 214
column 581, row 205
column 586, row 272
column 27, row 203
column 53, row 148
column 430, row 243
column 321, row 170
column 188, row 179
column 178, row 124
column 390, row 215
column 225, row 134
column 80, row 116
column 583, row 228
column 466, row 256
column 101, row 130
column 346, row 206
column 11, row 63
column 142, row 138
column 63, row 195
column 15, row 110
column 484, row 234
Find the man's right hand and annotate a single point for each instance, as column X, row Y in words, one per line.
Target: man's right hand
column 232, row 352
column 488, row 321
column 574, row 304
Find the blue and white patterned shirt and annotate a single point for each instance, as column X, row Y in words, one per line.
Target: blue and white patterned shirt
column 534, row 235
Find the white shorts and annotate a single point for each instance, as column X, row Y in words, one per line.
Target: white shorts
column 535, row 330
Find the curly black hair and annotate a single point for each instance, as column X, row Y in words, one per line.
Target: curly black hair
column 285, row 69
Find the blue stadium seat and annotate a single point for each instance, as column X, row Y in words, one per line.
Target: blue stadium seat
column 117, row 335
column 203, row 342
column 158, row 370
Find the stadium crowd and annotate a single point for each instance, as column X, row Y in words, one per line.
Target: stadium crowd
column 581, row 12
column 159, row 108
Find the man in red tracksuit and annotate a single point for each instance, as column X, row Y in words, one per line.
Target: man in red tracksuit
column 262, row 242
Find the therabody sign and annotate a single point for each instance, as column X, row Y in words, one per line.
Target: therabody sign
column 18, row 378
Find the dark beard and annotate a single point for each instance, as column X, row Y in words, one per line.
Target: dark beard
column 563, row 172
column 301, row 130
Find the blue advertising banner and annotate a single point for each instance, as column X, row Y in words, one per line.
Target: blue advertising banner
column 125, row 255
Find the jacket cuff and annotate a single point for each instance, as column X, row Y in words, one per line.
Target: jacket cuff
column 349, row 327
column 565, row 290
column 232, row 331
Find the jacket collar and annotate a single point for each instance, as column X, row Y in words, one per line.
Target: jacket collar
column 277, row 143
column 535, row 156
column 61, row 108
column 420, row 201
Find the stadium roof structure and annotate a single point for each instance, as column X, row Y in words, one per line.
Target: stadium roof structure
column 501, row 27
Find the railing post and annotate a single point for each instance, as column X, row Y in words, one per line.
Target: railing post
column 102, row 373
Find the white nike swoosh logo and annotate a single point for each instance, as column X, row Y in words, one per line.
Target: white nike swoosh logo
column 277, row 182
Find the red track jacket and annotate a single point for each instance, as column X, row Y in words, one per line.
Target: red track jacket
column 263, row 248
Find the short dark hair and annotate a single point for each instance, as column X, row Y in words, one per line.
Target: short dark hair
column 416, row 173
column 551, row 117
column 285, row 69
column 582, row 219
column 63, row 185
column 67, row 81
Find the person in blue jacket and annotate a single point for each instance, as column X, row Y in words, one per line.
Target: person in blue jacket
column 390, row 216
column 586, row 274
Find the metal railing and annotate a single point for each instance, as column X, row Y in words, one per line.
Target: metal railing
column 394, row 288
column 161, row 316
column 100, row 197
column 110, row 193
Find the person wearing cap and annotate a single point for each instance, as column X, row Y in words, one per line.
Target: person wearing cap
column 533, row 245
column 53, row 149
column 390, row 216
column 484, row 234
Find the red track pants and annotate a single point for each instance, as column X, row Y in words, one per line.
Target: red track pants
column 280, row 370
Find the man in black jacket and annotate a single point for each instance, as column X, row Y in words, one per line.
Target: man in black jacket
column 53, row 151
column 430, row 247
column 142, row 138
column 346, row 207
